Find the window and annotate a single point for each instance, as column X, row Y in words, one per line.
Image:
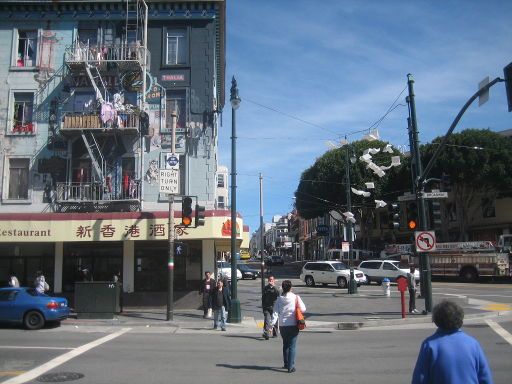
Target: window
column 389, row 267
column 488, row 208
column 22, row 114
column 370, row 265
column 176, row 101
column 8, row 295
column 220, row 200
column 18, row 179
column 220, row 180
column 177, row 47
column 26, row 48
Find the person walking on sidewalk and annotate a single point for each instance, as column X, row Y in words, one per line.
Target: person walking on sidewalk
column 411, row 284
column 450, row 355
column 207, row 287
column 285, row 307
column 221, row 302
column 268, row 299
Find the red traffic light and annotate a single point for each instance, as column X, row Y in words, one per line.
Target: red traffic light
column 411, row 224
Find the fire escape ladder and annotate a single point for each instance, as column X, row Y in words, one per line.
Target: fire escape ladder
column 95, row 154
column 132, row 20
column 97, row 82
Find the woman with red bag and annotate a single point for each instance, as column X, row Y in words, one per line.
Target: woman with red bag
column 286, row 306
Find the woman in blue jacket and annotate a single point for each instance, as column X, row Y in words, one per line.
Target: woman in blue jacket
column 450, row 355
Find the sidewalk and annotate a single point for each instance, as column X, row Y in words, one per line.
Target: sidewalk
column 353, row 312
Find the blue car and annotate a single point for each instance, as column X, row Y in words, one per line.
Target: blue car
column 32, row 309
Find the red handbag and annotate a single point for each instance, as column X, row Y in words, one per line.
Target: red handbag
column 301, row 323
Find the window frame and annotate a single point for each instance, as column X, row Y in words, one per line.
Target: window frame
column 10, row 129
column 165, row 54
column 7, row 184
column 15, row 47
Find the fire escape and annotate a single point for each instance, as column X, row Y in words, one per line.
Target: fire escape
column 110, row 68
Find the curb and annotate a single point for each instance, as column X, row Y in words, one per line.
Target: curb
column 425, row 319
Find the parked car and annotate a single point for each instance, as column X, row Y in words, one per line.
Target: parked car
column 224, row 270
column 32, row 309
column 376, row 270
column 248, row 272
column 329, row 272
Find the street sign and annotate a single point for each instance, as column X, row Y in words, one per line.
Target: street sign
column 483, row 97
column 407, row 197
column 425, row 241
column 172, row 161
column 169, row 181
column 435, row 195
column 345, row 246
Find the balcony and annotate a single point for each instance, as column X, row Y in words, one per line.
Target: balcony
column 127, row 57
column 96, row 197
column 120, row 122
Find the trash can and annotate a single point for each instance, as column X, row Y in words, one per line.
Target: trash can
column 385, row 287
column 97, row 299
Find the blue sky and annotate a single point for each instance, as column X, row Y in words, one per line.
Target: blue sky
column 339, row 65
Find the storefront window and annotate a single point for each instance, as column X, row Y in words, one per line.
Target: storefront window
column 24, row 260
column 101, row 260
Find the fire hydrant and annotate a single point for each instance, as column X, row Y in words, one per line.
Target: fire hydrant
column 385, row 287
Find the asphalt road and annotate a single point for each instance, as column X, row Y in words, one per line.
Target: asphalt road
column 162, row 355
column 166, row 354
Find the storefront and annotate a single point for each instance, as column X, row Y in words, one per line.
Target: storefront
column 132, row 244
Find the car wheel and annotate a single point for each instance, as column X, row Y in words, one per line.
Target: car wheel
column 310, row 282
column 469, row 275
column 342, row 282
column 33, row 320
column 254, row 277
column 368, row 281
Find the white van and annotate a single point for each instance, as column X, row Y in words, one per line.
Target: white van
column 357, row 255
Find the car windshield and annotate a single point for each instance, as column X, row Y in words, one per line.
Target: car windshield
column 222, row 264
column 339, row 266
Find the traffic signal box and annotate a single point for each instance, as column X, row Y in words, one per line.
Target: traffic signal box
column 199, row 215
column 435, row 215
column 394, row 216
column 186, row 211
column 412, row 216
column 507, row 71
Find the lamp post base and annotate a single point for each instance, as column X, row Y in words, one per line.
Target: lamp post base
column 234, row 315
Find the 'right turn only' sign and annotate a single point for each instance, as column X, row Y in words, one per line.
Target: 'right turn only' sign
column 425, row 241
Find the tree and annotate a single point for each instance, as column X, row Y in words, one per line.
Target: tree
column 322, row 186
column 479, row 165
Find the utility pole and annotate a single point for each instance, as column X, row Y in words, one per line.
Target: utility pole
column 425, row 274
column 262, row 237
column 170, row 264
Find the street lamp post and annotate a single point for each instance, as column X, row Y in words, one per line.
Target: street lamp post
column 234, row 312
column 262, row 237
column 352, row 287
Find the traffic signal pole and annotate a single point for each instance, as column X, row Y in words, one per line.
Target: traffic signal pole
column 425, row 274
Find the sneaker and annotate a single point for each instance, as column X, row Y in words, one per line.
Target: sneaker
column 291, row 370
column 415, row 311
column 223, row 329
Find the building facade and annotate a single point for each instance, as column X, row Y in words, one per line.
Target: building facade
column 98, row 97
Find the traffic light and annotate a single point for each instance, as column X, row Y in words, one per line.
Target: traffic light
column 186, row 211
column 508, row 84
column 394, row 216
column 199, row 215
column 435, row 214
column 412, row 215
column 144, row 123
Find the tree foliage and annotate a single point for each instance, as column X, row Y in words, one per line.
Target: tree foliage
column 322, row 186
column 478, row 163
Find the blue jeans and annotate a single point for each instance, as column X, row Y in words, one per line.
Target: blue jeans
column 289, row 335
column 219, row 317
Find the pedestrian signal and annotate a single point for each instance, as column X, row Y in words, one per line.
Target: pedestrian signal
column 394, row 216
